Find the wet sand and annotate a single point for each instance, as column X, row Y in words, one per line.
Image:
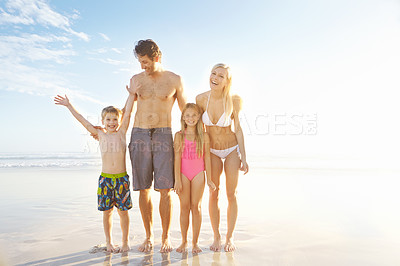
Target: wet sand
column 286, row 217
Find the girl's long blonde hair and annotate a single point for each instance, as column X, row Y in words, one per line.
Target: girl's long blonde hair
column 226, row 93
column 199, row 135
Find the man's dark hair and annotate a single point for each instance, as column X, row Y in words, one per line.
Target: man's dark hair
column 147, row 47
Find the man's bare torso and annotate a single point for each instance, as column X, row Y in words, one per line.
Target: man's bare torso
column 155, row 98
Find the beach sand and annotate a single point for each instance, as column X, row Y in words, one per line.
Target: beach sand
column 298, row 216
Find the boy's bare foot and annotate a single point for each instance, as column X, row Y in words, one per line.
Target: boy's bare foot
column 229, row 246
column 196, row 249
column 147, row 245
column 216, row 246
column 166, row 246
column 182, row 248
column 125, row 247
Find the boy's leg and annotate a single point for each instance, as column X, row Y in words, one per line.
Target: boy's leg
column 184, row 198
column 107, row 225
column 124, row 221
column 197, row 189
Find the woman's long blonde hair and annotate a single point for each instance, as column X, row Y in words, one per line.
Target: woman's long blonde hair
column 199, row 135
column 226, row 93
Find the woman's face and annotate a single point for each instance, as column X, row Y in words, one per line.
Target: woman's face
column 218, row 78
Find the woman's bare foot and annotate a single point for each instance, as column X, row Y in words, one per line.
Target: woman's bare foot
column 196, row 249
column 229, row 246
column 147, row 245
column 166, row 246
column 125, row 247
column 182, row 248
column 216, row 246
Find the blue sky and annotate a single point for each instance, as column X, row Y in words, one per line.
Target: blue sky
column 294, row 62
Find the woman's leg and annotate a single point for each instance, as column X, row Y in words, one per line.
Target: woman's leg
column 213, row 208
column 184, row 198
column 196, row 194
column 231, row 167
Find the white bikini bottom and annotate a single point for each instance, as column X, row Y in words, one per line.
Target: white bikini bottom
column 224, row 153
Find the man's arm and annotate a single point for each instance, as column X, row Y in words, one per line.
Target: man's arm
column 180, row 96
column 59, row 100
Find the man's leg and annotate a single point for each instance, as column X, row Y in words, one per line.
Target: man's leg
column 146, row 209
column 165, row 213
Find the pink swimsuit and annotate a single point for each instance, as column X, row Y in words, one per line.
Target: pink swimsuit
column 191, row 164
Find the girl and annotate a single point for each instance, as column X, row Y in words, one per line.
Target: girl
column 192, row 157
column 227, row 149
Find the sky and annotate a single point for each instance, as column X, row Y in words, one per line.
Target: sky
column 316, row 77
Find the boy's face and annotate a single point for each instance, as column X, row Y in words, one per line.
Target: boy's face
column 111, row 122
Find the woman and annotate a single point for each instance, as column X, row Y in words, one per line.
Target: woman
column 226, row 147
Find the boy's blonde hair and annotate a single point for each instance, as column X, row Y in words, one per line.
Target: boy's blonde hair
column 110, row 110
column 199, row 136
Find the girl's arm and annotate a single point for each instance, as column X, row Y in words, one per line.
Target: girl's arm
column 177, row 162
column 237, row 107
column 59, row 100
column 207, row 161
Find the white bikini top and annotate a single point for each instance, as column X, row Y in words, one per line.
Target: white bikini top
column 222, row 122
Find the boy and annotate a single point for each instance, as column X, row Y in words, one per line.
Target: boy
column 114, row 181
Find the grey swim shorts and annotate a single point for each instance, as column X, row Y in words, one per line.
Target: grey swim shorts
column 152, row 150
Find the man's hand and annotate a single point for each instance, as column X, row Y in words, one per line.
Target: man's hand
column 96, row 136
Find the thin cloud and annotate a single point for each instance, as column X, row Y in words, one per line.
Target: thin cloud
column 105, row 37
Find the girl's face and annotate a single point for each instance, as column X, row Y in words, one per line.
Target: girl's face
column 218, row 78
column 191, row 117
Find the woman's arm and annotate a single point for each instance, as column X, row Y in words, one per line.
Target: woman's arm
column 177, row 162
column 237, row 107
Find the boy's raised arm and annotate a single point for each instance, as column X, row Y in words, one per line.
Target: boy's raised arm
column 127, row 113
column 59, row 100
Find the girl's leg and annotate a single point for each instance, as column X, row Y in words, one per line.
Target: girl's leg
column 124, row 221
column 107, row 225
column 196, row 194
column 213, row 208
column 232, row 165
column 184, row 199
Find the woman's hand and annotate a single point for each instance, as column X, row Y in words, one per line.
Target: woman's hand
column 244, row 167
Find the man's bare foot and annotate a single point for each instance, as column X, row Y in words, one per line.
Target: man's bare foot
column 125, row 247
column 229, row 246
column 111, row 248
column 166, row 246
column 147, row 245
column 182, row 248
column 216, row 246
column 196, row 249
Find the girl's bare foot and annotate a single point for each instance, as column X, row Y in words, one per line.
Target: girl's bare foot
column 196, row 249
column 147, row 245
column 216, row 246
column 125, row 247
column 182, row 248
column 229, row 246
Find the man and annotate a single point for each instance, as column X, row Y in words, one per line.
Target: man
column 151, row 145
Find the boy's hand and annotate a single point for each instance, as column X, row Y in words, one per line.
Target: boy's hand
column 133, row 87
column 178, row 187
column 61, row 100
column 211, row 185
column 96, row 136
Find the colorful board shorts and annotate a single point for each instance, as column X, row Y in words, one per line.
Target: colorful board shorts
column 152, row 151
column 114, row 191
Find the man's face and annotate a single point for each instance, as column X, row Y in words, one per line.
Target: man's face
column 147, row 64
